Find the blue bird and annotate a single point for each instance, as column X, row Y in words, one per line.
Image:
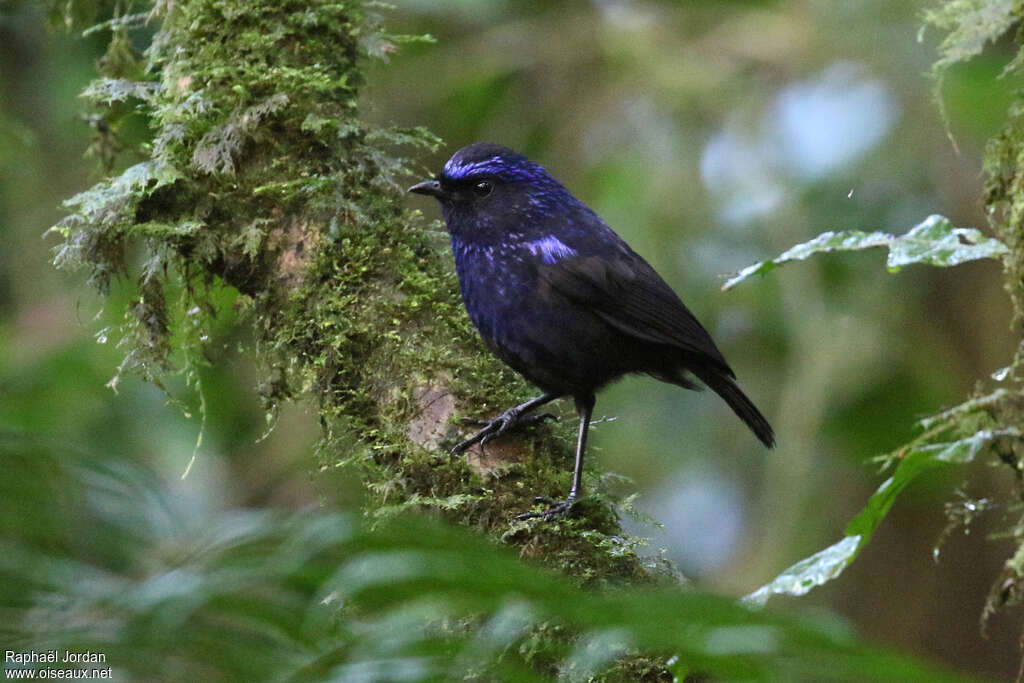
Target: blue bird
column 558, row 296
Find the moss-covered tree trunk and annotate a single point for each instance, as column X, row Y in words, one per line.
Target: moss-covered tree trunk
column 261, row 179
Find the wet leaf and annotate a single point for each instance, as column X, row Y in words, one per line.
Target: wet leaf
column 934, row 241
column 829, row 563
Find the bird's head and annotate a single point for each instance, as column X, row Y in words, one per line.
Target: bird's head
column 485, row 188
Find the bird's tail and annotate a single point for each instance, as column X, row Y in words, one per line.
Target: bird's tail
column 726, row 387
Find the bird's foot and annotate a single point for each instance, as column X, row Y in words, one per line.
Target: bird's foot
column 507, row 421
column 555, row 508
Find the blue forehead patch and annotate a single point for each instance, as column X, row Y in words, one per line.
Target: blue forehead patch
column 516, row 168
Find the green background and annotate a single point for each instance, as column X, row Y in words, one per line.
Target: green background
column 710, row 135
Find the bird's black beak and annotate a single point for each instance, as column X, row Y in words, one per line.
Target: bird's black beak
column 428, row 187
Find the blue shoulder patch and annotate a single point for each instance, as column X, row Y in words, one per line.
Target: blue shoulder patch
column 550, row 249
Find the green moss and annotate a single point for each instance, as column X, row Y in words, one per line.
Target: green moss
column 970, row 25
column 1004, row 195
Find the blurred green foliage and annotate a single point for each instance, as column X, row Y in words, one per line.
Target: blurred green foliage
column 100, row 555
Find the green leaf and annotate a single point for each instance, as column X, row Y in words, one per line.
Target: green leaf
column 829, row 563
column 934, row 241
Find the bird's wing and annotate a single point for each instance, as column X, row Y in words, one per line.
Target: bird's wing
column 627, row 293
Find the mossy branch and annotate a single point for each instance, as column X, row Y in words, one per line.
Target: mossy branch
column 259, row 176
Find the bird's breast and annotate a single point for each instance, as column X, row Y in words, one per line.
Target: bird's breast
column 502, row 271
column 494, row 280
column 558, row 346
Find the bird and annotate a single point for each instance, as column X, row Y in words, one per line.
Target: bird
column 560, row 297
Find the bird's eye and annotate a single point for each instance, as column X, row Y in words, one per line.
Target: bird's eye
column 483, row 188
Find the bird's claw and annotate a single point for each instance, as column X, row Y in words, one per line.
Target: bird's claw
column 528, row 420
column 523, row 421
column 554, row 508
column 505, row 422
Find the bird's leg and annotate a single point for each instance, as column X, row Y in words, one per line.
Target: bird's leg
column 509, row 419
column 584, row 408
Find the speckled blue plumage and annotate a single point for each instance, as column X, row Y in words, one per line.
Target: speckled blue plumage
column 558, row 295
column 533, row 221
